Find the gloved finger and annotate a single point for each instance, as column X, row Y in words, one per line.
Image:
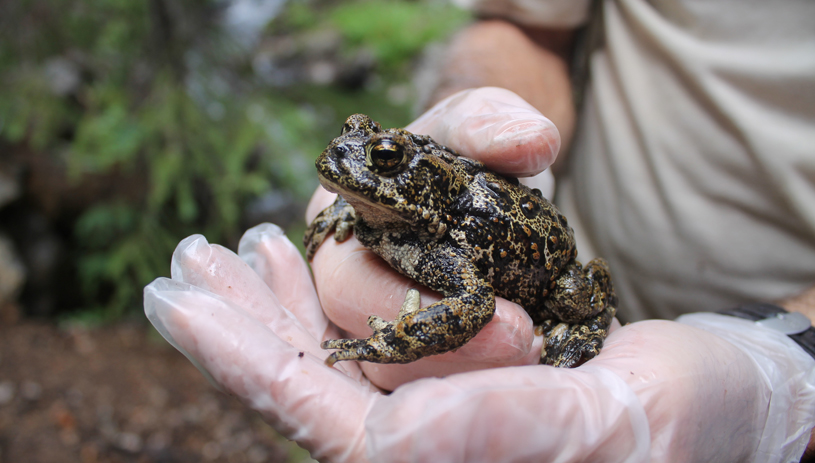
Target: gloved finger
column 218, row 270
column 279, row 264
column 294, row 391
column 495, row 126
column 519, row 414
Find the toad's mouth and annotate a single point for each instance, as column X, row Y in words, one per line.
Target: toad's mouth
column 364, row 206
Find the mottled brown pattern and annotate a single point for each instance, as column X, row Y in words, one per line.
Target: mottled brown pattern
column 451, row 224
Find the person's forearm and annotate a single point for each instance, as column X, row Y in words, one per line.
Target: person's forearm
column 529, row 62
column 804, row 303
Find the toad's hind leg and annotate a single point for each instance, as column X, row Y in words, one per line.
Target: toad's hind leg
column 568, row 346
column 417, row 332
column 583, row 300
column 468, row 305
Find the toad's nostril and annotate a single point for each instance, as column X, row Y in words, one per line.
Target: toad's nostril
column 341, row 150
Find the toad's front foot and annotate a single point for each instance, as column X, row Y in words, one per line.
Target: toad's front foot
column 338, row 218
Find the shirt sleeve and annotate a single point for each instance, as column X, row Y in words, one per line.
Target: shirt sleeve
column 546, row 13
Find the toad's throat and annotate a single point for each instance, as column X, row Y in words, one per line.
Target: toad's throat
column 365, row 207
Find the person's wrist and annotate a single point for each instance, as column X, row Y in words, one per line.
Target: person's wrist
column 804, row 303
column 793, row 324
column 788, row 373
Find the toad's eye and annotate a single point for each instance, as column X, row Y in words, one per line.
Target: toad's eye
column 385, row 156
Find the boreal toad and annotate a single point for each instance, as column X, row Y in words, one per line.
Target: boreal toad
column 451, row 224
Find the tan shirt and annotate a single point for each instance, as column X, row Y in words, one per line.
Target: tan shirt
column 693, row 166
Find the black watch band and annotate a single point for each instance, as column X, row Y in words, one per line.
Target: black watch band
column 764, row 312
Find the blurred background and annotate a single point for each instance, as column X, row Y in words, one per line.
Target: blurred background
column 127, row 125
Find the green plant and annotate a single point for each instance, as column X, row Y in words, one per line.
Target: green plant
column 395, row 30
column 156, row 92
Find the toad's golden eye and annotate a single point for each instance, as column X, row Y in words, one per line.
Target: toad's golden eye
column 385, row 156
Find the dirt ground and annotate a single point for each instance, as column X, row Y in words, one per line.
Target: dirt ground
column 119, row 394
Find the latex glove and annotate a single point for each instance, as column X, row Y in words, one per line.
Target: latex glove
column 659, row 391
column 492, row 125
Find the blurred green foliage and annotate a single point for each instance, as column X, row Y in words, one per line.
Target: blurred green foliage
column 158, row 91
column 395, row 31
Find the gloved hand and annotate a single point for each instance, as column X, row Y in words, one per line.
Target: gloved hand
column 712, row 388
